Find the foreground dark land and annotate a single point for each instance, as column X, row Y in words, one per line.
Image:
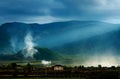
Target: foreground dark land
column 13, row 71
column 43, row 78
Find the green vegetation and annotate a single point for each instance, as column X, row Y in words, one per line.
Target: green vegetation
column 43, row 78
column 41, row 54
column 47, row 54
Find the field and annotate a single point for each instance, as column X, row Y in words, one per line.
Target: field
column 35, row 62
column 42, row 78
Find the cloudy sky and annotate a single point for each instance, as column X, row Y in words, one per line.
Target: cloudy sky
column 44, row 11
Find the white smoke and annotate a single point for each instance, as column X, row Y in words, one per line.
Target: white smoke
column 44, row 62
column 13, row 43
column 29, row 45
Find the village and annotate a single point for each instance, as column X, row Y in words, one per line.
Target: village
column 59, row 71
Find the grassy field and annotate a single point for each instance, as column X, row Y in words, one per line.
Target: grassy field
column 42, row 78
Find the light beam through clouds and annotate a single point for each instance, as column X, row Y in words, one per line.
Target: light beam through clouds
column 78, row 34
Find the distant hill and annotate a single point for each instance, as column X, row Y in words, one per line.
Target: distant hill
column 67, row 38
column 41, row 54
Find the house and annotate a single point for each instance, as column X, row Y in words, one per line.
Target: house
column 58, row 67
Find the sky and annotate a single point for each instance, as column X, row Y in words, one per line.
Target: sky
column 46, row 11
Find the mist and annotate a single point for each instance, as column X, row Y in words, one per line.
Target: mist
column 106, row 60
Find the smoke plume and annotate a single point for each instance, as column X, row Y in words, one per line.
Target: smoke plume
column 44, row 62
column 29, row 45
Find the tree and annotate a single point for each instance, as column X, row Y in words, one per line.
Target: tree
column 13, row 65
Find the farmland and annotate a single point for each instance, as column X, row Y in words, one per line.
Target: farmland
column 42, row 78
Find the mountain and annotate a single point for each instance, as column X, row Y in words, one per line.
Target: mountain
column 12, row 34
column 72, row 38
column 41, row 54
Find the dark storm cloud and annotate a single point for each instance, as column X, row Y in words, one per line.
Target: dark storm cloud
column 90, row 9
column 25, row 10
